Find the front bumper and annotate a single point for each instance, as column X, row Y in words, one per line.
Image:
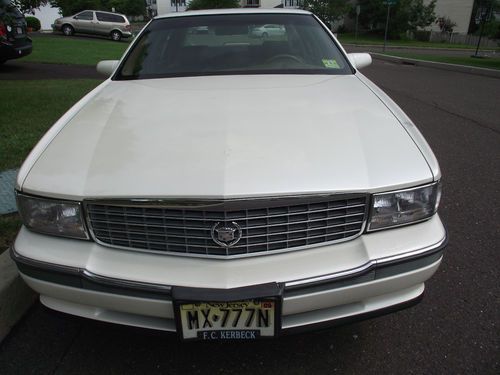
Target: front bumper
column 324, row 285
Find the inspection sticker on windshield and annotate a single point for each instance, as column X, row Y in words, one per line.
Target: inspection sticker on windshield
column 330, row 63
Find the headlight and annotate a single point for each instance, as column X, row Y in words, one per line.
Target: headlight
column 404, row 206
column 48, row 216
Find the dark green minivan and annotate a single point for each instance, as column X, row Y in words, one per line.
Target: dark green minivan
column 14, row 41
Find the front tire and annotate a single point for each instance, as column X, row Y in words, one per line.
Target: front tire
column 116, row 35
column 68, row 30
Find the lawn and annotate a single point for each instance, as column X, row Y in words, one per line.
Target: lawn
column 58, row 49
column 491, row 63
column 375, row 40
column 30, row 109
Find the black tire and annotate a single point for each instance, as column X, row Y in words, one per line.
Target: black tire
column 67, row 30
column 2, row 61
column 116, row 35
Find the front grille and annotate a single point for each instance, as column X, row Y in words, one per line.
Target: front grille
column 261, row 225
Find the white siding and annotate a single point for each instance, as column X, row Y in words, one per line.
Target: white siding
column 459, row 11
column 47, row 16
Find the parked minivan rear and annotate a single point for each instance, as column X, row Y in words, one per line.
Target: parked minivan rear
column 95, row 22
column 14, row 41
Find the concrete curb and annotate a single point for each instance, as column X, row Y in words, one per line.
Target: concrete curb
column 438, row 65
column 15, row 296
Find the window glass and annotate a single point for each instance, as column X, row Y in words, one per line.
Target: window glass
column 233, row 44
column 88, row 16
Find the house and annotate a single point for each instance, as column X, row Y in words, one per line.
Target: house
column 458, row 11
column 169, row 6
column 47, row 15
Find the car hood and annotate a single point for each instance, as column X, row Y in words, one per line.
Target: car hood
column 228, row 136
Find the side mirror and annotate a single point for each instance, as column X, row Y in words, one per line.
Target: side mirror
column 107, row 67
column 360, row 60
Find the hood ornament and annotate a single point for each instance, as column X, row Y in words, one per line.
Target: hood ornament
column 226, row 235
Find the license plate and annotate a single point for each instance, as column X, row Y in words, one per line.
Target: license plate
column 20, row 30
column 237, row 320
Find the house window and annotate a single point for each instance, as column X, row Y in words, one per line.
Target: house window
column 179, row 3
column 252, row 4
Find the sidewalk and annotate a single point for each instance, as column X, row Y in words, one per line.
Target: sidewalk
column 7, row 196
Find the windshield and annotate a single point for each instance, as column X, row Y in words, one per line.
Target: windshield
column 233, row 44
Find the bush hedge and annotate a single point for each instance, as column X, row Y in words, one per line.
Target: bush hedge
column 34, row 23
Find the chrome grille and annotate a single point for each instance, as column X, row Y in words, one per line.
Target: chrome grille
column 266, row 225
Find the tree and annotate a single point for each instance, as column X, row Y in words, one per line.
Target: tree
column 492, row 25
column 406, row 15
column 29, row 6
column 445, row 24
column 213, row 4
column 328, row 10
column 69, row 7
column 127, row 7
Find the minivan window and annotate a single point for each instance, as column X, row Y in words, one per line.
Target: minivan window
column 88, row 16
column 106, row 17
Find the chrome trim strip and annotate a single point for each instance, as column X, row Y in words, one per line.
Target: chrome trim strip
column 371, row 264
column 108, row 281
column 222, row 204
column 332, row 276
column 413, row 253
column 99, row 279
column 124, row 283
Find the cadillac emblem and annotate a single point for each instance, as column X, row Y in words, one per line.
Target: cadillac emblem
column 226, row 234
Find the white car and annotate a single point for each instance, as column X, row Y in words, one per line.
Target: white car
column 269, row 30
column 226, row 188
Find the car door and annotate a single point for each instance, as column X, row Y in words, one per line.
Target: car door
column 84, row 22
column 103, row 23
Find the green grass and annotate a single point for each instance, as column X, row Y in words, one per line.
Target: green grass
column 30, row 109
column 9, row 226
column 58, row 49
column 486, row 62
column 376, row 40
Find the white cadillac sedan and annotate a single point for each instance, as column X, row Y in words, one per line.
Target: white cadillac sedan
column 225, row 187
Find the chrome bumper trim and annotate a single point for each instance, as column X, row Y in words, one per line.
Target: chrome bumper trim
column 80, row 276
column 369, row 266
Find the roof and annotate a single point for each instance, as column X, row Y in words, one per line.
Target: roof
column 233, row 11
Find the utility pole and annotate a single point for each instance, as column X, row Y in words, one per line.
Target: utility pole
column 358, row 11
column 388, row 3
column 482, row 16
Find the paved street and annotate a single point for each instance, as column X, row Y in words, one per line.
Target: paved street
column 454, row 330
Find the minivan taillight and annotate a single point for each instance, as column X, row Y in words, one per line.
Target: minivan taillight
column 128, row 27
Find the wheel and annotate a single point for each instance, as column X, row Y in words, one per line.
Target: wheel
column 116, row 35
column 2, row 61
column 265, row 36
column 68, row 30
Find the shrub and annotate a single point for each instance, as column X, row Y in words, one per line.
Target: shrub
column 422, row 35
column 33, row 23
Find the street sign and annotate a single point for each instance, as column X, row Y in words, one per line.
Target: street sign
column 358, row 9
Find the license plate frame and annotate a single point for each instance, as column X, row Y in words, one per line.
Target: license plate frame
column 201, row 297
